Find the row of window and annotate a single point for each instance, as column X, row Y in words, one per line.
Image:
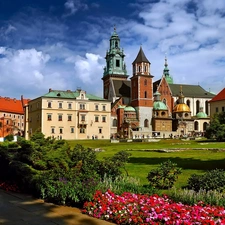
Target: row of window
column 82, row 130
column 222, row 109
column 13, row 116
column 69, row 106
column 81, row 106
column 82, row 117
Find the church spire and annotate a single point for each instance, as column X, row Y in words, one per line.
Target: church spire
column 115, row 57
column 166, row 72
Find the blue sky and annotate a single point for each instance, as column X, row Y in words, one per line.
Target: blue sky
column 61, row 44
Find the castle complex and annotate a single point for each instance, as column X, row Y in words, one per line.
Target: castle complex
column 143, row 108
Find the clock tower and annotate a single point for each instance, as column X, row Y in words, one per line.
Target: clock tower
column 142, row 90
column 115, row 68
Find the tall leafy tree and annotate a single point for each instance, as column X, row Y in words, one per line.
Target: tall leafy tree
column 217, row 127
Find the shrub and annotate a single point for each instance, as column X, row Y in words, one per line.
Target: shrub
column 123, row 184
column 164, row 176
column 9, row 137
column 211, row 180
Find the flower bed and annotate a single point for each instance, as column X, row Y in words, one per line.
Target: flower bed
column 9, row 186
column 139, row 209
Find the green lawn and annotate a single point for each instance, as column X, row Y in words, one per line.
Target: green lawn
column 192, row 157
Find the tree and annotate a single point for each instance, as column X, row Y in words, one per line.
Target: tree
column 217, row 127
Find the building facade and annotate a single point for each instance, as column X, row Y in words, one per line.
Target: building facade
column 69, row 115
column 217, row 104
column 12, row 116
column 136, row 95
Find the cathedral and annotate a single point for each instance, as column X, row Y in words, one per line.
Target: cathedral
column 143, row 108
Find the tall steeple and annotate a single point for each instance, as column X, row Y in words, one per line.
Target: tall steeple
column 115, row 57
column 166, row 73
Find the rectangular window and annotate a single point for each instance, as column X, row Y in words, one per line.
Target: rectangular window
column 53, row 130
column 117, row 63
column 60, row 105
column 96, row 118
column 69, row 106
column 96, row 107
column 82, row 130
column 72, row 129
column 18, row 124
column 82, row 117
column 69, row 117
column 103, row 108
column 217, row 110
column 49, row 117
column 222, row 108
column 82, row 106
column 49, row 105
column 22, row 124
column 60, row 117
column 103, row 119
column 100, row 130
column 60, row 130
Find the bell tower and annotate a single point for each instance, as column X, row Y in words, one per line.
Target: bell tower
column 115, row 66
column 142, row 90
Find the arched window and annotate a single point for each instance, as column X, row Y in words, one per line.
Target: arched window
column 139, row 68
column 145, row 94
column 205, row 125
column 146, row 123
column 188, row 103
column 197, row 106
column 196, row 125
column 115, row 123
column 207, row 107
column 145, row 68
column 145, row 82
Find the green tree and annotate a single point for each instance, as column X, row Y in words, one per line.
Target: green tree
column 217, row 127
column 164, row 176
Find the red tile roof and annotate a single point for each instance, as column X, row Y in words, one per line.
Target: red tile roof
column 219, row 97
column 11, row 105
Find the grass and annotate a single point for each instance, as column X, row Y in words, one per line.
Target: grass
column 192, row 156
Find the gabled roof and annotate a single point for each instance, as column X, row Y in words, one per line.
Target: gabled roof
column 70, row 94
column 122, row 88
column 219, row 97
column 12, row 105
column 190, row 91
column 141, row 57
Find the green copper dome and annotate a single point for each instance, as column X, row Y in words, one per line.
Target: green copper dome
column 129, row 109
column 159, row 106
column 201, row 115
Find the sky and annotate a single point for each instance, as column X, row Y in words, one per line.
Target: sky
column 61, row 44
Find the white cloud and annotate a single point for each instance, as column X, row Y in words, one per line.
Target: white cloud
column 74, row 5
column 88, row 69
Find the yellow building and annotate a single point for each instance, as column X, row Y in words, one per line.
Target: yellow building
column 217, row 104
column 69, row 115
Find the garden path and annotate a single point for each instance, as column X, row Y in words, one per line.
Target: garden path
column 21, row 209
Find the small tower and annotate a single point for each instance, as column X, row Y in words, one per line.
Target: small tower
column 115, row 66
column 183, row 122
column 166, row 73
column 142, row 90
column 161, row 121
